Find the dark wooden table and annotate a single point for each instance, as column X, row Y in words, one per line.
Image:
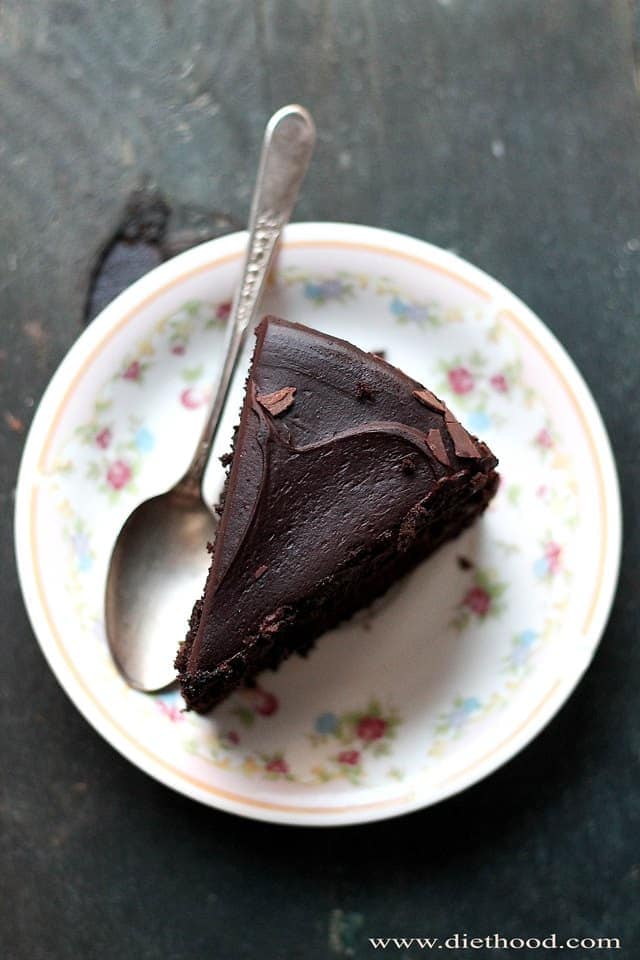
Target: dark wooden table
column 503, row 129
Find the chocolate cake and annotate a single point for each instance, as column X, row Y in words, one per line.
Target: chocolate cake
column 345, row 474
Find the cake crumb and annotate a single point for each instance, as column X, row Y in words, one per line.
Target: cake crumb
column 364, row 391
column 14, row 423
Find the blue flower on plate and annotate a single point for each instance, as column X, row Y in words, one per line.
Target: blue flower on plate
column 406, row 310
column 478, row 421
column 470, row 705
column 523, row 644
column 326, row 723
column 464, row 709
column 82, row 550
column 144, row 440
column 526, row 638
column 323, row 290
column 398, row 307
column 541, row 567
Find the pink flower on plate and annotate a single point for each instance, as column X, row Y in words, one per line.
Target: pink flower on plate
column 103, row 438
column 133, row 371
column 191, row 399
column 223, row 310
column 461, row 380
column 170, row 711
column 277, row 765
column 118, row 474
column 478, row 601
column 544, row 439
column 499, row 382
column 178, row 349
column 371, row 728
column 541, row 491
column 267, row 703
column 350, row 757
column 553, row 553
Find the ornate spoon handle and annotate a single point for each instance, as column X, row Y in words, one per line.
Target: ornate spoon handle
column 286, row 151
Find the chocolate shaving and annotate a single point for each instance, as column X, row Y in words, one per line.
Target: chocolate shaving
column 262, row 569
column 463, row 443
column 429, row 400
column 437, row 447
column 277, row 402
column 484, row 449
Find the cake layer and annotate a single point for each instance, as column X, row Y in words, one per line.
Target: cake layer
column 345, row 474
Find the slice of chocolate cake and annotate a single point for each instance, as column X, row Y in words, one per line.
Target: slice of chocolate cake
column 345, row 474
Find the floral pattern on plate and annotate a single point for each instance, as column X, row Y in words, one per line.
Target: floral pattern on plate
column 430, row 678
column 114, row 445
column 343, row 743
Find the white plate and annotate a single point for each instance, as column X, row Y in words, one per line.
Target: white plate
column 446, row 677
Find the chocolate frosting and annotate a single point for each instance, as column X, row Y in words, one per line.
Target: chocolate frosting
column 335, row 448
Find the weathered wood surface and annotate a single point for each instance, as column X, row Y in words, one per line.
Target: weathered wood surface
column 507, row 131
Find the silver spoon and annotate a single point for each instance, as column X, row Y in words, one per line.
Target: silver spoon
column 159, row 561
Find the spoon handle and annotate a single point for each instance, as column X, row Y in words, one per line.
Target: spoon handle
column 286, row 151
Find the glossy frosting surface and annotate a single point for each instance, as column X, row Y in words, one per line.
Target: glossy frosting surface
column 334, row 449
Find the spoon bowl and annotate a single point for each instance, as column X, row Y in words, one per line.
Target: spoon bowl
column 158, row 568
